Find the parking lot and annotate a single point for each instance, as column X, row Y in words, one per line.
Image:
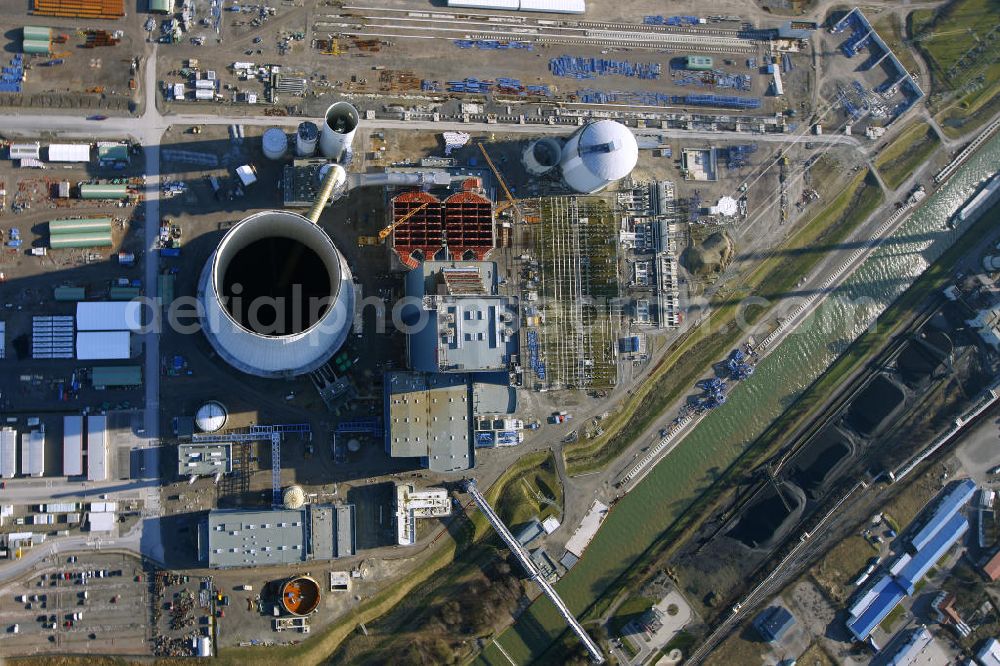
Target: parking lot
column 91, row 604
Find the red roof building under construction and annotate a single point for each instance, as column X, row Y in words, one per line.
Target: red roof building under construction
column 460, row 227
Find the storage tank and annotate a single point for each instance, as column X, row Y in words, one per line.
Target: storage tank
column 300, row 595
column 204, row 94
column 597, row 155
column 277, row 296
column 305, row 139
column 211, row 416
column 339, row 125
column 542, row 156
column 36, row 33
column 204, row 646
column 275, row 143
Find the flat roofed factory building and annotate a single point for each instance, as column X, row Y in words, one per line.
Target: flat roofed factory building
column 249, row 538
column 73, row 445
column 469, row 328
column 429, row 417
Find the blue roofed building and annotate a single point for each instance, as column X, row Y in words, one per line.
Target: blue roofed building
column 939, row 532
column 773, row 623
column 949, row 505
column 874, row 606
column 916, row 566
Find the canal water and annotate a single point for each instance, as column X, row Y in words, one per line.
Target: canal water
column 643, row 514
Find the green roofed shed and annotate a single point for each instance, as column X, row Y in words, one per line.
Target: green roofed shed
column 112, row 376
column 90, row 239
column 70, row 293
column 37, row 33
column 85, row 225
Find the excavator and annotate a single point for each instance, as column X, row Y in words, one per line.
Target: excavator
column 384, row 233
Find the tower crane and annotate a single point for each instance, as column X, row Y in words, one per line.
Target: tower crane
column 384, row 233
column 511, row 201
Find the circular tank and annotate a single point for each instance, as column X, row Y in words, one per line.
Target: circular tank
column 277, row 296
column 294, row 497
column 305, row 139
column 354, row 446
column 339, row 124
column 542, row 156
column 597, row 155
column 275, row 143
column 300, row 595
column 211, row 416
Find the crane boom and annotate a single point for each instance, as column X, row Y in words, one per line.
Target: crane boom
column 511, row 201
column 382, row 235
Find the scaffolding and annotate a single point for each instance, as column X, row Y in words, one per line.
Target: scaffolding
column 578, row 253
column 258, row 433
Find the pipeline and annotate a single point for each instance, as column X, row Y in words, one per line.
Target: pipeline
column 333, row 187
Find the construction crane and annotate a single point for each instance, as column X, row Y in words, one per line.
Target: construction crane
column 511, row 201
column 384, row 233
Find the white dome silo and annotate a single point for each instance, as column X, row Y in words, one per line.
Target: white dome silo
column 294, row 497
column 597, row 155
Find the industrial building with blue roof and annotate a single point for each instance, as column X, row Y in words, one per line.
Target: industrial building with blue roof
column 943, row 528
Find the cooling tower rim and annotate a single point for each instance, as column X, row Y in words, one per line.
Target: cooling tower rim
column 328, row 253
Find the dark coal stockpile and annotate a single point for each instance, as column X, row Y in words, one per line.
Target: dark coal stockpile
column 873, row 405
column 821, row 461
column 281, row 269
column 767, row 520
column 922, row 357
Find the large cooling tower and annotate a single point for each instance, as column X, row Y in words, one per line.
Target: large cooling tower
column 597, row 155
column 277, row 296
column 339, row 125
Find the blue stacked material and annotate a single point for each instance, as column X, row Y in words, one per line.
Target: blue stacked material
column 485, row 439
column 786, row 63
column 492, row 44
column 751, row 63
column 430, row 86
column 11, row 77
column 674, row 21
column 534, row 359
column 470, row 85
column 539, row 90
column 723, row 101
column 635, row 98
column 590, row 68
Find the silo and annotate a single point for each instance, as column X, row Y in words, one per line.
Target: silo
column 277, row 296
column 542, row 156
column 294, row 497
column 275, row 143
column 339, row 125
column 305, row 139
column 211, row 416
column 597, row 155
